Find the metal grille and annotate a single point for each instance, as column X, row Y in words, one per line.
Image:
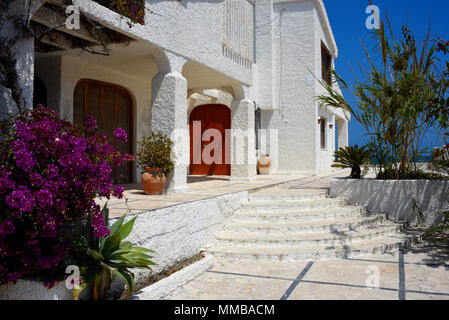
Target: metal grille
column 238, row 31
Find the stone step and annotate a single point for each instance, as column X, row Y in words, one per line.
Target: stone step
column 297, row 215
column 278, row 194
column 317, row 252
column 322, row 225
column 265, row 206
column 386, row 229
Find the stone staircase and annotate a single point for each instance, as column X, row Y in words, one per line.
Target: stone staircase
column 297, row 224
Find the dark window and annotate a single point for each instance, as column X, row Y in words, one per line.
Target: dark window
column 326, row 64
column 39, row 93
column 323, row 132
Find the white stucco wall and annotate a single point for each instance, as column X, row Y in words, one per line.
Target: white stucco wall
column 297, row 32
column 182, row 231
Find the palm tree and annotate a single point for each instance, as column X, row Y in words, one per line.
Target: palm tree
column 352, row 157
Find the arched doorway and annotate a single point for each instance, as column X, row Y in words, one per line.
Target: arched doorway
column 210, row 151
column 112, row 106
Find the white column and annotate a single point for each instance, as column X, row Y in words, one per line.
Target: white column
column 243, row 164
column 169, row 116
column 343, row 137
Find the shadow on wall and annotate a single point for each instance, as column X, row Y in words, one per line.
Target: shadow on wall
column 395, row 197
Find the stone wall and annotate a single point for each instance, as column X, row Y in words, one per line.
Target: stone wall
column 182, row 231
column 394, row 197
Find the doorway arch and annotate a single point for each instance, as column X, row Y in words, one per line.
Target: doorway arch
column 207, row 155
column 112, row 106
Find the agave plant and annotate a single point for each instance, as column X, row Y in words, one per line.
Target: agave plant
column 103, row 259
column 352, row 157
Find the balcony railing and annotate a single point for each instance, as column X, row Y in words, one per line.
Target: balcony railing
column 238, row 31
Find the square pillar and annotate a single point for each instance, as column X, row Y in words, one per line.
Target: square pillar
column 243, row 149
column 169, row 116
column 343, row 137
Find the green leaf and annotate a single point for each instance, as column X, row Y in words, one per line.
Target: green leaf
column 117, row 225
column 111, row 243
column 128, row 277
column 97, row 256
column 105, row 212
column 126, row 229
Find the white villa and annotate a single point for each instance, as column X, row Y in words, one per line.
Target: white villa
column 232, row 64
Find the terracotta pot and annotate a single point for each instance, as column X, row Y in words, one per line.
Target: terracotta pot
column 153, row 181
column 264, row 165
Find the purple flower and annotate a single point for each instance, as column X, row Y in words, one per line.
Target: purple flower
column 90, row 122
column 24, row 159
column 35, row 179
column 5, row 180
column 9, row 227
column 20, row 199
column 14, row 276
column 45, row 198
column 52, row 171
column 118, row 192
column 121, row 135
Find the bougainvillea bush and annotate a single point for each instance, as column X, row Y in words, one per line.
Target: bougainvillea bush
column 132, row 9
column 50, row 174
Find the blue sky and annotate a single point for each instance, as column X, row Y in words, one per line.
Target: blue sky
column 348, row 18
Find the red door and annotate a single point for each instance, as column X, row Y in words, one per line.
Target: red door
column 209, row 149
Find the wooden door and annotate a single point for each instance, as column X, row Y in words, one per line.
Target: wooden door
column 112, row 106
column 211, row 116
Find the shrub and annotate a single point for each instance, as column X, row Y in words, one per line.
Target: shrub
column 440, row 158
column 156, row 152
column 352, row 157
column 101, row 260
column 398, row 100
column 50, row 174
column 132, row 9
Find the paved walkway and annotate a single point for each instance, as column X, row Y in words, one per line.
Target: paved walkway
column 420, row 273
column 203, row 187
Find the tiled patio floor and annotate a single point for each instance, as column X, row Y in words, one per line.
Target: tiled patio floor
column 420, row 273
column 202, row 187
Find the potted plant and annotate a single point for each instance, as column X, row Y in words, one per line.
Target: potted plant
column 264, row 164
column 155, row 158
column 51, row 172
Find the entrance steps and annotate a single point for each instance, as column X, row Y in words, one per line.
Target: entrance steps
column 299, row 224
